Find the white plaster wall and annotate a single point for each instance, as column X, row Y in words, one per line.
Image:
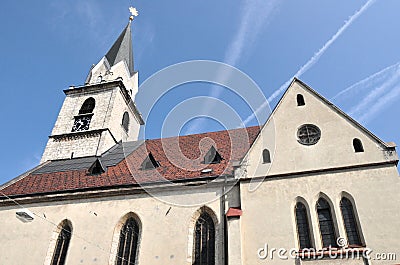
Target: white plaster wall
column 164, row 235
column 268, row 211
column 114, row 119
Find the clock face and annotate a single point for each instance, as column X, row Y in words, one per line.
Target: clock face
column 81, row 123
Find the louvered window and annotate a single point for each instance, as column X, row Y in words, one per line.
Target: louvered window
column 204, row 242
column 326, row 225
column 62, row 244
column 128, row 243
column 303, row 228
column 350, row 224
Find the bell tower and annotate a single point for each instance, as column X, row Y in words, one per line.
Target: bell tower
column 102, row 112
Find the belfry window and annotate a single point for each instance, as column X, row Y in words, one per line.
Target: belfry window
column 357, row 144
column 62, row 244
column 125, row 121
column 128, row 243
column 300, row 100
column 350, row 224
column 266, row 156
column 82, row 121
column 303, row 227
column 204, row 241
column 212, row 156
column 87, row 106
column 326, row 225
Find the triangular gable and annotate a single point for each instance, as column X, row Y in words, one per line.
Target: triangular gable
column 335, row 149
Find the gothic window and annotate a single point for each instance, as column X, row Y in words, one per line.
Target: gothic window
column 149, row 162
column 300, row 100
column 88, row 106
column 266, row 156
column 204, row 241
column 61, row 249
column 128, row 243
column 350, row 224
column 212, row 156
column 125, row 121
column 308, row 134
column 303, row 228
column 326, row 225
column 357, row 144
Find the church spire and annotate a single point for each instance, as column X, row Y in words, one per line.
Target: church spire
column 122, row 49
column 118, row 61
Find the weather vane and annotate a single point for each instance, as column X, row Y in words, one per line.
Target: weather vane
column 134, row 13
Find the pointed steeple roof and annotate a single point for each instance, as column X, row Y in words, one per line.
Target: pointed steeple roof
column 122, row 49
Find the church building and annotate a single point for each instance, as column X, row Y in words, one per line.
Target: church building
column 310, row 186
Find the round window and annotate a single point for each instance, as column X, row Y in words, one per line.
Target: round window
column 308, row 134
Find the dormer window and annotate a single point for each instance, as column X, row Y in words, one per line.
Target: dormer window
column 149, row 163
column 212, row 156
column 96, row 168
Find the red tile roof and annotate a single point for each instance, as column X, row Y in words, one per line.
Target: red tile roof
column 180, row 158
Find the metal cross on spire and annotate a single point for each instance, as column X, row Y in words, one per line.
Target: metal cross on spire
column 134, row 13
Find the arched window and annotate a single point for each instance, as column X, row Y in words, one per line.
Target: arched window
column 357, row 144
column 62, row 244
column 300, row 100
column 350, row 224
column 266, row 156
column 303, row 227
column 204, row 241
column 326, row 225
column 125, row 121
column 128, row 243
column 87, row 106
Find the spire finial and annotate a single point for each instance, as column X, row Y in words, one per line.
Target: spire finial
column 134, row 13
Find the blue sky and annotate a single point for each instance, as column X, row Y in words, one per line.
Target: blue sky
column 346, row 50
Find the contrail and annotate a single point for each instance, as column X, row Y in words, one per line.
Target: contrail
column 256, row 15
column 382, row 102
column 315, row 57
column 376, row 93
column 374, row 78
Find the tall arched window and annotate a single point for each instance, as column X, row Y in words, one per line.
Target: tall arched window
column 87, row 106
column 303, row 227
column 326, row 225
column 62, row 244
column 357, row 144
column 266, row 156
column 300, row 100
column 204, row 241
column 350, row 223
column 128, row 243
column 125, row 121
